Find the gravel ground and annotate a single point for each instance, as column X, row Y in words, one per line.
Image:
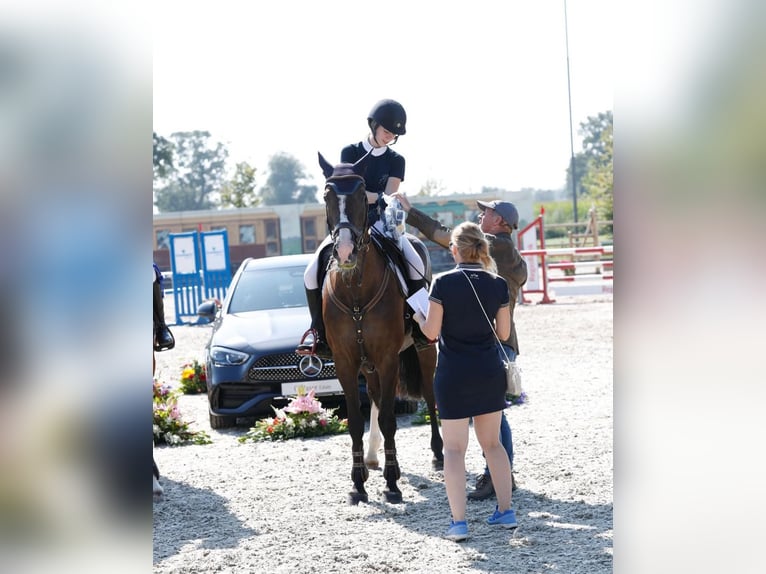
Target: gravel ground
column 281, row 507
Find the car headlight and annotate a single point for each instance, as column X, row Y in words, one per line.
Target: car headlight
column 227, row 357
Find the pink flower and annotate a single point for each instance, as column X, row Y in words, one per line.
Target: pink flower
column 304, row 404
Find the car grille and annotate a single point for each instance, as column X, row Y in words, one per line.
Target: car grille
column 284, row 368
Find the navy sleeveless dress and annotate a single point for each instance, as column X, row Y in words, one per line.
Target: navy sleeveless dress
column 470, row 378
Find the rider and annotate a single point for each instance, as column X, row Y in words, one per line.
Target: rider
column 385, row 171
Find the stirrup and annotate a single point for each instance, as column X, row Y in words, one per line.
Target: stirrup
column 304, row 348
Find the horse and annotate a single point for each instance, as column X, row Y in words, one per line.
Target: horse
column 363, row 312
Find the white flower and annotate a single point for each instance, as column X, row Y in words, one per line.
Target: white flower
column 313, row 423
column 156, row 429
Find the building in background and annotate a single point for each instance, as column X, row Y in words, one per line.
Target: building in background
column 300, row 228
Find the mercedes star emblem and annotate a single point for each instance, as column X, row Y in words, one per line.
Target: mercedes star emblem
column 310, row 366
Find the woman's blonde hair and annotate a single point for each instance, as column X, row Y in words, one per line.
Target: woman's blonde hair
column 472, row 245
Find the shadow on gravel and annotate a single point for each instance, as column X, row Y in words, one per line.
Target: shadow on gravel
column 566, row 535
column 571, row 537
column 188, row 515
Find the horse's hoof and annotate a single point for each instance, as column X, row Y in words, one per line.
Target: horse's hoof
column 394, row 497
column 355, row 498
column 437, row 463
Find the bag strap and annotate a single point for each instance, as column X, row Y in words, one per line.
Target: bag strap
column 499, row 344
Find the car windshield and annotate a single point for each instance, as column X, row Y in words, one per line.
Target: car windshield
column 262, row 289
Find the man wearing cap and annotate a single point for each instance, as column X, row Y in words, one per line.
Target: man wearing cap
column 497, row 219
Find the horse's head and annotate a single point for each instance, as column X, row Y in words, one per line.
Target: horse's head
column 346, row 204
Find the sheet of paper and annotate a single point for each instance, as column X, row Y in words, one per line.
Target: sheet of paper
column 419, row 301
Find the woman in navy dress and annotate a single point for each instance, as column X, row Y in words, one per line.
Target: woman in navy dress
column 470, row 379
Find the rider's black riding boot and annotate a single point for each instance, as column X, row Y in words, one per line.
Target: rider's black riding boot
column 420, row 340
column 317, row 345
column 163, row 338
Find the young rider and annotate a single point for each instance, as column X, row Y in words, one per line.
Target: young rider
column 384, row 173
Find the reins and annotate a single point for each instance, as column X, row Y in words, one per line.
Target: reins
column 357, row 311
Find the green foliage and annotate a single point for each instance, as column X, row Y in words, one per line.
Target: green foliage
column 283, row 184
column 197, row 172
column 596, row 134
column 599, row 181
column 239, row 191
column 422, row 416
column 561, row 212
column 162, row 156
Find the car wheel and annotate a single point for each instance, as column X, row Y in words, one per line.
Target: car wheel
column 220, row 422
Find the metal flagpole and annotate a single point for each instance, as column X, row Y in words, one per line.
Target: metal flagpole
column 571, row 133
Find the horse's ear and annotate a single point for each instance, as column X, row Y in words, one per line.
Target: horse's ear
column 361, row 164
column 327, row 169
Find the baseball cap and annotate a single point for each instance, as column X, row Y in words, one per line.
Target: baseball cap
column 506, row 209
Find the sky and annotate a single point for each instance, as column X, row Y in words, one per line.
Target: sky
column 484, row 83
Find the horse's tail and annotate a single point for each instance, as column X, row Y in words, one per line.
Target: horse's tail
column 410, row 375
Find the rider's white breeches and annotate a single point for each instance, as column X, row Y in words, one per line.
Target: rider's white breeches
column 415, row 267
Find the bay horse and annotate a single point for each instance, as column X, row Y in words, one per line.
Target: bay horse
column 363, row 312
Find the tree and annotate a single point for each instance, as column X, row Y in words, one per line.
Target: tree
column 162, row 156
column 282, row 186
column 197, row 172
column 431, row 188
column 591, row 131
column 239, row 191
column 599, row 180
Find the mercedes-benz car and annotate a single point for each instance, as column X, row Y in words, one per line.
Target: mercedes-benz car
column 250, row 358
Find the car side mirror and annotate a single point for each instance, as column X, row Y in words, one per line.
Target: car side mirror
column 207, row 310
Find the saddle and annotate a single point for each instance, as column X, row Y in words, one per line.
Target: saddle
column 398, row 264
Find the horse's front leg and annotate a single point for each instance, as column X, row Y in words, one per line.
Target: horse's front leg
column 375, row 439
column 359, row 472
column 387, row 421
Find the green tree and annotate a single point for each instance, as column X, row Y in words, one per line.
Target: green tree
column 284, row 182
column 239, row 191
column 598, row 182
column 198, row 171
column 593, row 145
column 162, row 156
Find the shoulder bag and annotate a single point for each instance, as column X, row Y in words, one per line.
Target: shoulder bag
column 512, row 374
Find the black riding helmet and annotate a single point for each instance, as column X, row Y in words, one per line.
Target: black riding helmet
column 391, row 115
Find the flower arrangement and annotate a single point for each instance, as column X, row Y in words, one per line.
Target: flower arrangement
column 421, row 416
column 193, row 378
column 516, row 399
column 302, row 417
column 168, row 427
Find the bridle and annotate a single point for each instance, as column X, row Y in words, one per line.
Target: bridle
column 344, row 187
